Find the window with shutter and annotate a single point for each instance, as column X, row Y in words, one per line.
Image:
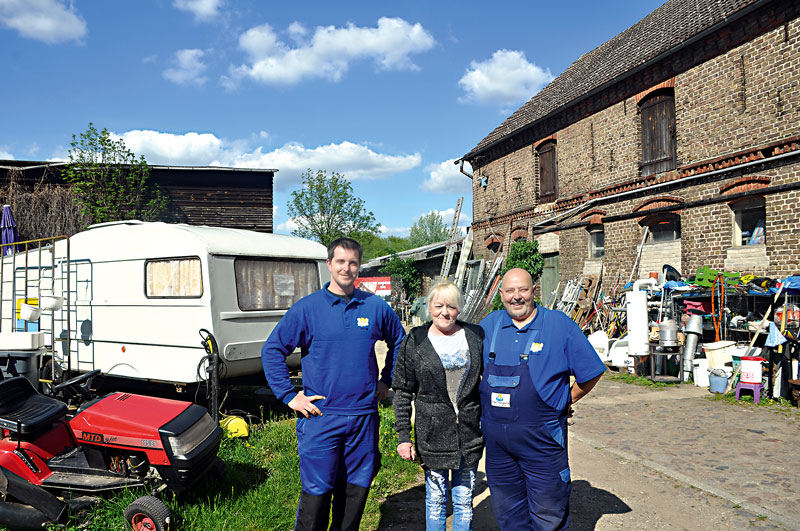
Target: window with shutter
column 548, row 172
column 658, row 133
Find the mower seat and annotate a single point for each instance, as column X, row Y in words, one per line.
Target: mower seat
column 24, row 410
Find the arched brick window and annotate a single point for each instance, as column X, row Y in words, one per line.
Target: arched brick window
column 663, row 228
column 749, row 221
column 494, row 243
column 597, row 241
column 519, row 234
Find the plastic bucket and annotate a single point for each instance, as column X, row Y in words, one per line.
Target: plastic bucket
column 717, row 384
column 28, row 312
column 751, row 369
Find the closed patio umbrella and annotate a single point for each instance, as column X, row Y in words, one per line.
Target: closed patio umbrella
column 8, row 230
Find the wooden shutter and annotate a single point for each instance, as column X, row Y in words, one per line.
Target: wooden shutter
column 658, row 134
column 548, row 172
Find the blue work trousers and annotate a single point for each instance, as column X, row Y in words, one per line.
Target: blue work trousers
column 337, row 448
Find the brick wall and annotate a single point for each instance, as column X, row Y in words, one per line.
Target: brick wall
column 655, row 255
column 746, row 97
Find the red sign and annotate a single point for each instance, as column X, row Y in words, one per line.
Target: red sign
column 380, row 286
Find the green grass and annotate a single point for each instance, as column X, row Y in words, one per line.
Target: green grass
column 640, row 380
column 263, row 486
column 746, row 400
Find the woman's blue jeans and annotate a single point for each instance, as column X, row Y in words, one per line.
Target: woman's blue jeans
column 436, row 488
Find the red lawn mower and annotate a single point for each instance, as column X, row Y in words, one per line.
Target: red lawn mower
column 52, row 466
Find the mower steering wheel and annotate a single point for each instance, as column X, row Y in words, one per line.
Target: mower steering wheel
column 77, row 380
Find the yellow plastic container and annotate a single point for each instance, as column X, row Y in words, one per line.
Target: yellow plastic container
column 234, row 426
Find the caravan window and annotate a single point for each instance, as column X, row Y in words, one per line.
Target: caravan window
column 273, row 284
column 173, row 278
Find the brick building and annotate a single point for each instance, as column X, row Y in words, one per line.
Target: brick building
column 687, row 124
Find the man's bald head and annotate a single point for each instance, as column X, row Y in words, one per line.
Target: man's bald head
column 517, row 295
column 518, row 275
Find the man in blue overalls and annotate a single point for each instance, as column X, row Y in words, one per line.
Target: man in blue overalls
column 336, row 329
column 529, row 354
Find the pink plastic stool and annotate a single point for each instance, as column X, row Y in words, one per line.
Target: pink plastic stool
column 757, row 389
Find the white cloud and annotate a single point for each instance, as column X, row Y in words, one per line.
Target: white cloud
column 445, row 178
column 447, row 216
column 5, row 155
column 188, row 68
column 190, row 149
column 505, row 79
column 49, row 21
column 328, row 52
column 394, row 231
column 287, row 226
column 355, row 161
column 204, row 10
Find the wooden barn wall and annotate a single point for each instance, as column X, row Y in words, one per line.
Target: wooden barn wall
column 238, row 199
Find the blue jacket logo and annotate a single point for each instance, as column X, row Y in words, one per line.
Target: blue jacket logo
column 362, row 322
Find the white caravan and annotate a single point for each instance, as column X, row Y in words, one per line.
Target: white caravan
column 136, row 294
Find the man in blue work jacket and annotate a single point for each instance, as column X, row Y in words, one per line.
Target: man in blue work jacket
column 336, row 329
column 529, row 354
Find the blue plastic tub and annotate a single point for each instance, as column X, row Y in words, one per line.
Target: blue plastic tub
column 717, row 384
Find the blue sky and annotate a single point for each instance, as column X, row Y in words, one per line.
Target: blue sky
column 387, row 93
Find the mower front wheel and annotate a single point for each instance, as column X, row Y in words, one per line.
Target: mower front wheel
column 147, row 513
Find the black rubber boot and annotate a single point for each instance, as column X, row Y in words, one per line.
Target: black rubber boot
column 348, row 506
column 339, row 502
column 312, row 512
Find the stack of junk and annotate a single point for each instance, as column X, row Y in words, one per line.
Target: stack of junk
column 729, row 332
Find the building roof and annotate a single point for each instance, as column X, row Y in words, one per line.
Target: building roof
column 666, row 28
column 33, row 164
column 417, row 253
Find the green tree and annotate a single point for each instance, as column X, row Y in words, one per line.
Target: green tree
column 326, row 208
column 109, row 182
column 428, row 229
column 407, row 271
column 375, row 246
column 525, row 255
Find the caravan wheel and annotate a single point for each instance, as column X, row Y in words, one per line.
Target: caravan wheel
column 147, row 513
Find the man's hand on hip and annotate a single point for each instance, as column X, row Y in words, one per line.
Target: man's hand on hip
column 305, row 404
column 381, row 391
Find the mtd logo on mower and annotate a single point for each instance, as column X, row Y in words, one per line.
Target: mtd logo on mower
column 92, row 437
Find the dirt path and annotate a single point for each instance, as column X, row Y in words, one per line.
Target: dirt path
column 658, row 478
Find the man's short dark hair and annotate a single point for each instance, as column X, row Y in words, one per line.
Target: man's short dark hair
column 345, row 243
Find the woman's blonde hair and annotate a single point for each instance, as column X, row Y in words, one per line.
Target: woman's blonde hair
column 449, row 292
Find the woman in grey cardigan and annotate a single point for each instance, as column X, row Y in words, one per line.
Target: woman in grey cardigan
column 438, row 368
